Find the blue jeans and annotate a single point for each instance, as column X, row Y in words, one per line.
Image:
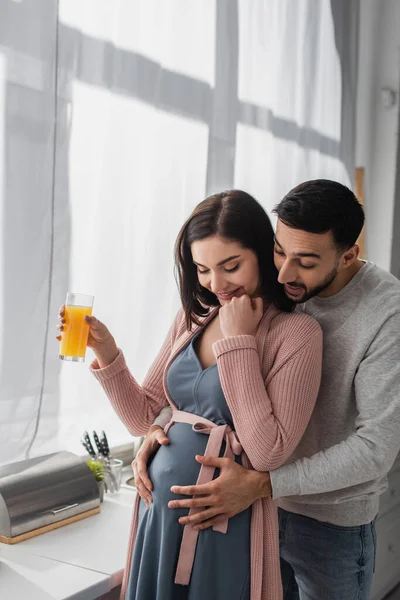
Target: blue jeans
column 320, row 561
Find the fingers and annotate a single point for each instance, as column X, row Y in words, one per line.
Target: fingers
column 143, row 485
column 92, row 321
column 212, row 461
column 97, row 327
column 201, row 517
column 198, row 501
column 161, row 438
column 61, row 320
column 140, row 471
column 244, row 299
column 206, row 489
column 143, row 493
column 154, row 438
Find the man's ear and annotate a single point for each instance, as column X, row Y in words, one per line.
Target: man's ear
column 350, row 256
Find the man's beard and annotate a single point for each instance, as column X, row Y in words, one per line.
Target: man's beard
column 315, row 290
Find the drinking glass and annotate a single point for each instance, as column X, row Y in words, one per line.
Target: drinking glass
column 113, row 474
column 76, row 330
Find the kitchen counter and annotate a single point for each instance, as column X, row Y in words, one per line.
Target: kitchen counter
column 81, row 561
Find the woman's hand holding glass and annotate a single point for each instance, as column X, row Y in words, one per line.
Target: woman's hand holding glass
column 100, row 339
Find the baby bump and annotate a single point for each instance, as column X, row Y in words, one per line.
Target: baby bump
column 176, row 464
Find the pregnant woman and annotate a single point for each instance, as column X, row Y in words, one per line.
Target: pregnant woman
column 241, row 373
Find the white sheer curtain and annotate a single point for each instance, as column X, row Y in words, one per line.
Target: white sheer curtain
column 290, row 91
column 157, row 105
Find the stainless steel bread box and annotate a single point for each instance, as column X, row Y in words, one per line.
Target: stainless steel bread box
column 43, row 493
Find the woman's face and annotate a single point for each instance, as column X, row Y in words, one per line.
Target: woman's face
column 225, row 268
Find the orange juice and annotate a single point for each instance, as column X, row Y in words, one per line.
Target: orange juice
column 76, row 332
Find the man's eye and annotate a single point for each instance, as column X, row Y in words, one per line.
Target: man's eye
column 308, row 266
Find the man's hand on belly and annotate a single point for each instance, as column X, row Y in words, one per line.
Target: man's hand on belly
column 232, row 492
column 154, row 439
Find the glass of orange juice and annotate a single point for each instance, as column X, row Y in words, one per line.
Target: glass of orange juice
column 76, row 330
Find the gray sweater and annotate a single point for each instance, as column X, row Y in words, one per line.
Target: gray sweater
column 339, row 469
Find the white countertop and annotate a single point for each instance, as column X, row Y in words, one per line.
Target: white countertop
column 80, row 561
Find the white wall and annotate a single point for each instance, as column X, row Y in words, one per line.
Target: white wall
column 377, row 126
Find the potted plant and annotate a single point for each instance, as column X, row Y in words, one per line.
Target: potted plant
column 97, row 468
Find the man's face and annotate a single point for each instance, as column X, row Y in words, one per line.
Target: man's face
column 308, row 263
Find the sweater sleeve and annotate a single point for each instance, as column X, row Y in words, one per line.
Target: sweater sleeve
column 270, row 415
column 370, row 451
column 137, row 405
column 164, row 417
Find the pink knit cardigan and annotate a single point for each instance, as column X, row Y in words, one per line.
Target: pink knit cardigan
column 270, row 382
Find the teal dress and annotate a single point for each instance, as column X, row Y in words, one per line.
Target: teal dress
column 221, row 569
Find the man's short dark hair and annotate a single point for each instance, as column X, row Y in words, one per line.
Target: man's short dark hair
column 321, row 205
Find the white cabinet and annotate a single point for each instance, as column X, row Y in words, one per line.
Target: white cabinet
column 387, row 571
column 391, row 498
